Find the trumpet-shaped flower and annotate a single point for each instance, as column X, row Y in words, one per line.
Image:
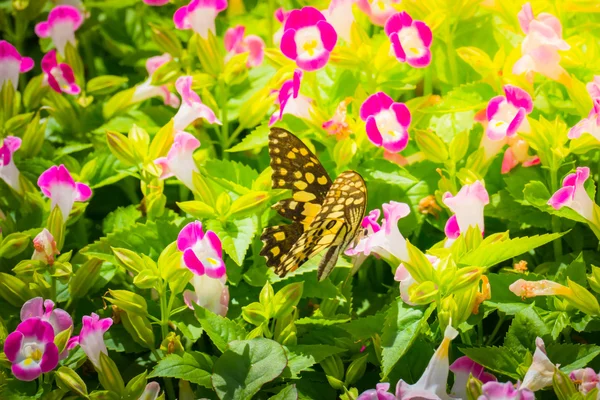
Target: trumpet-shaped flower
column 12, row 64
column 387, row 122
column 378, row 11
column 593, row 87
column 467, row 207
column 526, row 289
column 504, row 391
column 179, row 161
column 199, row 15
column 58, row 184
column 202, row 252
column 585, row 378
column 379, row 393
column 236, row 43
column 8, row 170
column 151, row 391
column 339, row 15
column 156, row 3
column 61, row 25
column 291, row 101
column 507, row 114
column 210, row 293
column 540, row 47
column 590, row 125
column 44, row 247
column 411, row 40
column 338, row 124
column 59, row 76
column 91, row 337
column 31, row 349
column 191, row 107
column 463, row 368
column 572, row 194
column 146, row 90
column 432, row 384
column 59, row 319
column 308, row 38
column 517, row 153
column 280, row 15
column 540, row 373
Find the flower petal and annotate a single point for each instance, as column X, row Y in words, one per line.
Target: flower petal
column 190, row 235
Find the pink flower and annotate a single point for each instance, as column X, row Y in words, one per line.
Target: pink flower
column 280, row 15
column 179, row 161
column 517, row 153
column 585, row 378
column 540, row 372
column 507, row 115
column 504, row 391
column 210, row 293
column 202, row 252
column 191, row 107
column 291, row 101
column 464, row 367
column 339, row 15
column 58, row 184
column 526, row 289
column 593, row 87
column 31, row 349
column 156, row 3
column 62, row 23
column 308, row 38
column 44, row 247
column 467, row 207
column 236, row 43
column 378, row 10
column 59, row 319
column 573, row 194
column 91, row 337
column 8, row 170
column 146, row 90
column 541, row 45
column 387, row 122
column 411, row 40
column 12, row 64
column 591, row 124
column 338, row 125
column 152, row 389
column 379, row 393
column 60, row 77
column 199, row 15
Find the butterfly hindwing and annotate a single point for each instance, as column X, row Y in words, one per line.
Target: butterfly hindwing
column 277, row 241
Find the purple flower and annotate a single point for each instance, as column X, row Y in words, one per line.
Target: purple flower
column 411, row 40
column 191, row 107
column 236, row 43
column 379, row 393
column 572, row 194
column 504, row 391
column 467, row 207
column 378, row 11
column 44, row 247
column 463, row 368
column 210, row 293
column 202, row 252
column 585, row 378
column 61, row 25
column 58, row 184
column 199, row 15
column 60, row 77
column 8, row 170
column 387, row 122
column 590, row 125
column 91, row 337
column 12, row 64
column 179, row 161
column 291, row 101
column 507, row 115
column 31, row 349
column 308, row 38
column 146, row 90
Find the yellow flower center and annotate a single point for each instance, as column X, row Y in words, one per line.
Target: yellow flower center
column 32, row 353
column 213, row 261
column 310, row 46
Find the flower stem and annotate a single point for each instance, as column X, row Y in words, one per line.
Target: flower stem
column 495, row 331
column 164, row 326
column 224, row 93
column 428, row 81
column 557, row 244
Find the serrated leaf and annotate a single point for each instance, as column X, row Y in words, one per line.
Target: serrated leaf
column 256, row 139
column 121, row 218
column 194, row 367
column 525, row 327
column 364, row 328
column 572, row 356
column 221, row 330
column 236, row 236
column 497, row 359
column 302, row 357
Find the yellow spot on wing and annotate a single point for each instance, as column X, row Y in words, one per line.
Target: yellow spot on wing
column 300, row 185
column 304, row 197
column 322, row 180
column 310, row 178
column 279, row 236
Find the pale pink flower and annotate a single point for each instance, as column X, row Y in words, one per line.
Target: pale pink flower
column 572, row 194
column 467, row 207
column 199, row 15
column 378, row 11
column 146, row 90
column 91, row 337
column 44, row 247
column 12, row 64
column 236, row 43
column 191, row 107
column 58, row 184
column 291, row 101
column 179, row 161
column 9, row 172
column 61, row 25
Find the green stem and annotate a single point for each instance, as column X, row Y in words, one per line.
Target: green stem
column 428, row 81
column 270, row 18
column 234, row 135
column 164, row 326
column 480, row 333
column 557, row 244
column 224, row 93
column 496, row 329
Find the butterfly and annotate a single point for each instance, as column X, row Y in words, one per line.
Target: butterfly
column 324, row 214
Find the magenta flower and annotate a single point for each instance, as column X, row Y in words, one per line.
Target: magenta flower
column 572, row 194
column 191, row 107
column 44, row 247
column 378, row 11
column 504, row 391
column 146, row 90
column 12, row 64
column 61, row 25
column 280, row 15
column 179, row 161
column 58, row 184
column 202, row 252
column 308, row 38
column 462, row 368
column 59, row 319
column 540, row 372
column 156, row 3
column 8, row 170
column 199, row 15
column 540, row 47
column 60, row 77
column 411, row 40
column 585, row 378
column 590, row 125
column 210, row 293
column 387, row 122
column 507, row 115
column 467, row 207
column 236, row 43
column 379, row 393
column 91, row 337
column 339, row 15
column 291, row 101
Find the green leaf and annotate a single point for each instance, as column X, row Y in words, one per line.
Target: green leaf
column 246, row 366
column 364, row 328
column 288, row 393
column 303, row 356
column 255, row 140
column 401, row 329
column 501, row 360
column 121, row 218
column 572, row 356
column 105, row 84
column 230, row 174
column 576, row 270
column 236, row 236
column 525, row 327
column 538, row 195
column 491, row 254
column 194, row 367
column 221, row 330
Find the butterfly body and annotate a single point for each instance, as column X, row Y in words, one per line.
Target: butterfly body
column 325, row 214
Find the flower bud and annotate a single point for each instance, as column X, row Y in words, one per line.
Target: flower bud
column 128, row 301
column 333, row 367
column 356, row 370
column 423, row 293
column 473, row 388
column 172, row 344
column 255, row 313
column 120, row 146
column 432, row 146
column 13, row 244
column 286, row 299
column 594, row 279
